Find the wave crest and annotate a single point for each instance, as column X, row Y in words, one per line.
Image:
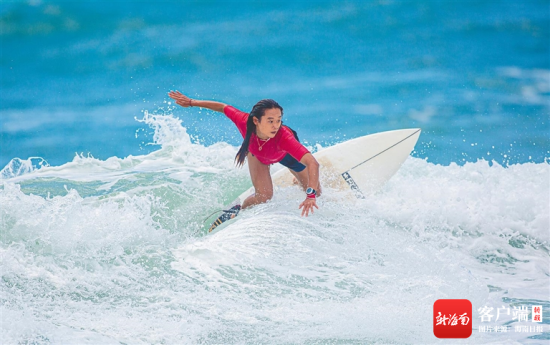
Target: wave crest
column 17, row 167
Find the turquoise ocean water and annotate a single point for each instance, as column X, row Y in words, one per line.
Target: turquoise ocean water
column 105, row 184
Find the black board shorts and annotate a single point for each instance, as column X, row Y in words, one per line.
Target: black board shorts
column 292, row 163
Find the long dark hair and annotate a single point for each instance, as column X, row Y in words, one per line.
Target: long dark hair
column 257, row 112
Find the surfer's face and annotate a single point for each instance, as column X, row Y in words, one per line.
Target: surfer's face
column 269, row 124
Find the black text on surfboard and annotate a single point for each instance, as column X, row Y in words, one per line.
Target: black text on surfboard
column 347, row 177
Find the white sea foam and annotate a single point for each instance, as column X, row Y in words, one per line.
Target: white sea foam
column 113, row 251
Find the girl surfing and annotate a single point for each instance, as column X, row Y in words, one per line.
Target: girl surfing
column 266, row 141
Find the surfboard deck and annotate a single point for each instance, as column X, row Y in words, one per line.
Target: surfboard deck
column 360, row 166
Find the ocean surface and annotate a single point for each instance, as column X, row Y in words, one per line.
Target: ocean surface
column 106, row 184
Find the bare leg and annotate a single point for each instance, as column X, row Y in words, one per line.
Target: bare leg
column 261, row 179
column 302, row 178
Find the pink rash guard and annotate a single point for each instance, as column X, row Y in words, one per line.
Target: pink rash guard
column 276, row 148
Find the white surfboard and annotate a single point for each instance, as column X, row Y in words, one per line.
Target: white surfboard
column 361, row 165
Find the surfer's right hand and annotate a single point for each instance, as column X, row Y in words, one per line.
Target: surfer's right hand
column 308, row 206
column 181, row 99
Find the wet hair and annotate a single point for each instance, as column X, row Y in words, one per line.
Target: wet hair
column 257, row 112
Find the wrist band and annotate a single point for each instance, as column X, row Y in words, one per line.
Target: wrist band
column 311, row 193
column 190, row 102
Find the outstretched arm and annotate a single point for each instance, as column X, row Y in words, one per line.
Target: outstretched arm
column 185, row 102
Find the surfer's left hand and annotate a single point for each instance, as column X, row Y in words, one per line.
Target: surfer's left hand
column 308, row 205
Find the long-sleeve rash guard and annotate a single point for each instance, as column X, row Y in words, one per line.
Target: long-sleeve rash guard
column 274, row 149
